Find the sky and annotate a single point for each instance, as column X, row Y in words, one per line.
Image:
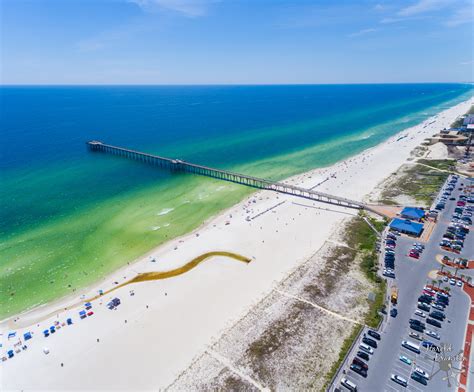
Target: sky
column 235, row 41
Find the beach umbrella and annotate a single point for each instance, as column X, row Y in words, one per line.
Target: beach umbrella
column 27, row 336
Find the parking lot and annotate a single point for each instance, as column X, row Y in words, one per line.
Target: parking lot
column 411, row 275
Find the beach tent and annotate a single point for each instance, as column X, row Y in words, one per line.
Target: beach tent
column 406, row 226
column 46, row 333
column 82, row 314
column 69, row 321
column 412, row 213
column 27, row 336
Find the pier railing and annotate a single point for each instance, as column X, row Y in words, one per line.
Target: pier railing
column 177, row 165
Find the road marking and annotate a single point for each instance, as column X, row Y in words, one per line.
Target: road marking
column 400, row 369
column 415, row 387
column 317, row 306
column 392, row 387
column 224, row 361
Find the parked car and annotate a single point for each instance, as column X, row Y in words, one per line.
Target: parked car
column 363, row 355
column 374, row 334
column 370, row 342
column 419, row 313
column 399, row 380
column 415, row 376
column 360, row 362
column 405, row 359
column 433, row 334
column 359, row 370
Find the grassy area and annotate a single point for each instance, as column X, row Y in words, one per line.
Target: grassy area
column 361, row 237
column 459, row 121
column 419, row 182
column 342, row 354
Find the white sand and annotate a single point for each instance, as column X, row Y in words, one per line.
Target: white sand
column 186, row 314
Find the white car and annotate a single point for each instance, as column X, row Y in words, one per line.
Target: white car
column 419, row 313
column 459, row 283
column 422, row 373
column 433, row 334
column 452, row 282
column 399, row 380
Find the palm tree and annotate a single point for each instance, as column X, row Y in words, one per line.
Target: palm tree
column 439, row 283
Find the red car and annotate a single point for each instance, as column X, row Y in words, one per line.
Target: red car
column 461, row 203
column 414, row 255
column 90, row 313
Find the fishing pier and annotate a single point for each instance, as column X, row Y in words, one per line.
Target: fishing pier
column 177, row 165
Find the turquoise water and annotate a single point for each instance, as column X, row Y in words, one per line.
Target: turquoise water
column 69, row 217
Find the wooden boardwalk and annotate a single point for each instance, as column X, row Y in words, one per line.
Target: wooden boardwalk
column 177, row 165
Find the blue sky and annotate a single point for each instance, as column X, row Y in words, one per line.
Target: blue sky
column 235, row 41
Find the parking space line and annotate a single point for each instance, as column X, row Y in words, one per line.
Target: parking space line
column 392, row 387
column 414, row 387
column 401, row 370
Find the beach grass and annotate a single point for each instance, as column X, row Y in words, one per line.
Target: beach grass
column 419, row 182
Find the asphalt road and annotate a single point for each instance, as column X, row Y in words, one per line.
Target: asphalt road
column 411, row 276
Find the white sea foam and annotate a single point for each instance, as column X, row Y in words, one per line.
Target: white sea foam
column 154, row 228
column 165, row 211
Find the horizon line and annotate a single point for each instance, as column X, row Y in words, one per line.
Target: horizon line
column 215, row 84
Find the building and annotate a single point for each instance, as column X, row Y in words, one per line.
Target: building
column 449, row 137
column 413, row 213
column 469, row 119
column 406, row 226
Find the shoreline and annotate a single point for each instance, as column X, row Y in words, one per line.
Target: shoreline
column 356, row 177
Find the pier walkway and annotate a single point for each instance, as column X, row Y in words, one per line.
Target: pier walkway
column 177, row 165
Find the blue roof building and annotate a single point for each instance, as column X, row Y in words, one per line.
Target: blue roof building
column 413, row 213
column 468, row 120
column 406, row 226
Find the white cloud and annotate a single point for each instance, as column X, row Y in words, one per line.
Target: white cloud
column 461, row 16
column 189, row 8
column 423, row 6
column 466, row 62
column 362, row 32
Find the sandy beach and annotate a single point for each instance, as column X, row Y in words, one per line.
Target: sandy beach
column 162, row 326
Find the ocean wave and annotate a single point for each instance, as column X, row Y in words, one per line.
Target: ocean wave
column 165, row 211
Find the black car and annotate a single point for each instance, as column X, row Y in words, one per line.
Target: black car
column 363, row 355
column 359, row 370
column 416, row 322
column 370, row 342
column 393, row 312
column 425, row 298
column 433, row 322
column 374, row 334
column 419, row 378
column 417, row 327
column 423, row 306
column 437, row 315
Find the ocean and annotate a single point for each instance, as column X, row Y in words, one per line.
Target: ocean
column 69, row 217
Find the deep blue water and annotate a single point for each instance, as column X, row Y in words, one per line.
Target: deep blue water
column 57, row 199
